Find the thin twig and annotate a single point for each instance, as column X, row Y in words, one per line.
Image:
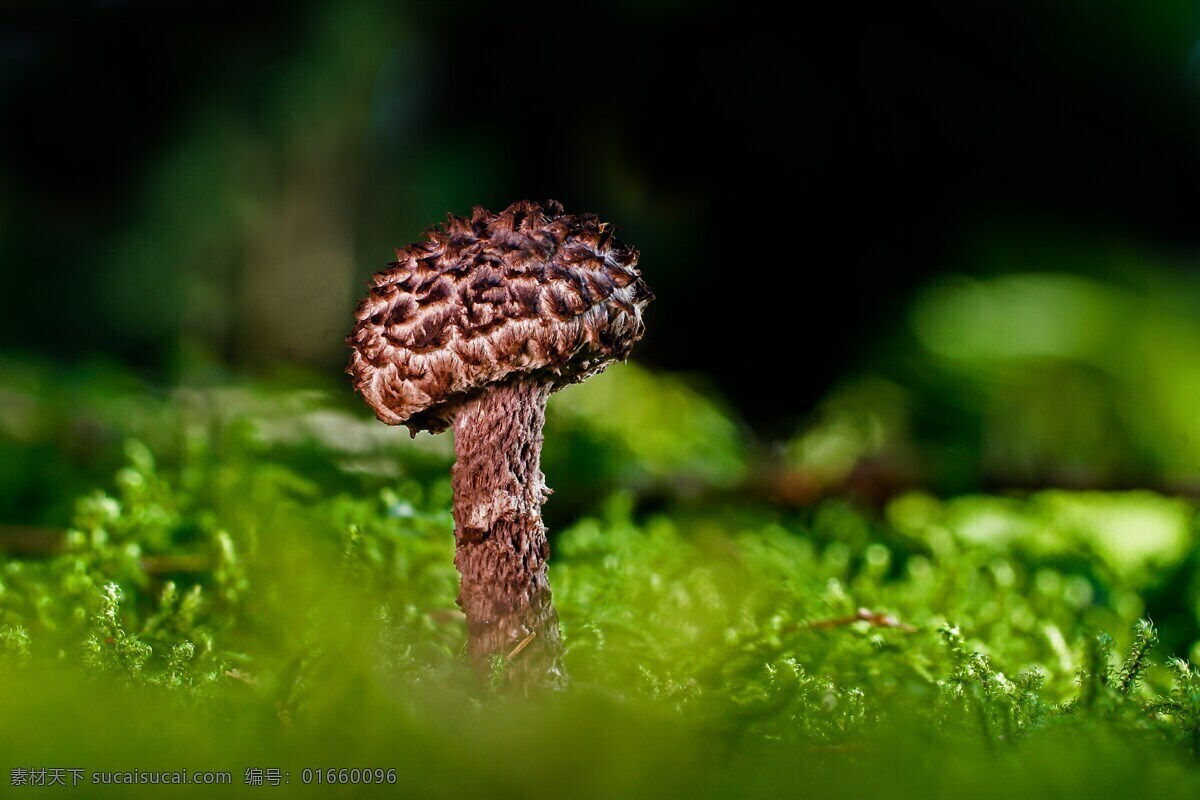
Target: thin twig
column 29, row 541
column 836, row 749
column 875, row 618
column 26, row 541
column 177, row 562
column 524, row 643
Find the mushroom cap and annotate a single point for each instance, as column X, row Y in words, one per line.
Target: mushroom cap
column 530, row 293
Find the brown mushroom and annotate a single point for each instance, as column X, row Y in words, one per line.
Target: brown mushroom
column 474, row 327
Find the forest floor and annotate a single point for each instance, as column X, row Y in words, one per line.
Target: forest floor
column 264, row 587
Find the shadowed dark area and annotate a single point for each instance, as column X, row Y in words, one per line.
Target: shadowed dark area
column 785, row 183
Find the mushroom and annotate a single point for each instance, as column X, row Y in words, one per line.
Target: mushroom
column 474, row 327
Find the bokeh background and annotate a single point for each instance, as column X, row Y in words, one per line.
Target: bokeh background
column 952, row 246
column 926, row 343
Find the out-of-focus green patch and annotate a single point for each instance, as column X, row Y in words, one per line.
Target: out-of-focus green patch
column 1070, row 379
column 663, row 430
column 862, row 419
column 1133, row 534
column 1019, row 316
column 1057, row 366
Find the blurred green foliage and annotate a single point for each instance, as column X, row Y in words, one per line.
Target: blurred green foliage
column 267, row 580
column 1083, row 374
column 1074, row 373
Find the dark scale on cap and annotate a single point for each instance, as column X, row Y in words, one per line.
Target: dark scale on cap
column 530, row 293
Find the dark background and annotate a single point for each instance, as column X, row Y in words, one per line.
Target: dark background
column 164, row 166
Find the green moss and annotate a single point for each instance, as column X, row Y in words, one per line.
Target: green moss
column 252, row 597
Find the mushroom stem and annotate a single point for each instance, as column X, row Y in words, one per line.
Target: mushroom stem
column 501, row 550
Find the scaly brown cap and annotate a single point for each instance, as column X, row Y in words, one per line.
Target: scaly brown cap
column 530, row 293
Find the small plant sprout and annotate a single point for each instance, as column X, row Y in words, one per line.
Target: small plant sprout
column 474, row 327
